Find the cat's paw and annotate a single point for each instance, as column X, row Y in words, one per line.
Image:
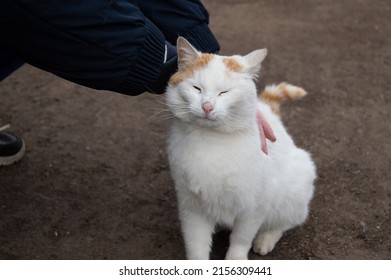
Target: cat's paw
column 237, row 253
column 198, row 256
column 265, row 242
column 236, row 257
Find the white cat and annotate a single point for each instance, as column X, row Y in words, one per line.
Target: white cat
column 221, row 175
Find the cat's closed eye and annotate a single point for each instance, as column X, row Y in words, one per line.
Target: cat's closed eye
column 197, row 88
column 222, row 92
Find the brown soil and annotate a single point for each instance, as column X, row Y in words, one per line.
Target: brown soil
column 95, row 184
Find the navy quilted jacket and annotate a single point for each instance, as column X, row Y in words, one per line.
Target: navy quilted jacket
column 116, row 45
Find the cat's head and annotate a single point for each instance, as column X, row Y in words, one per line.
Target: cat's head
column 214, row 91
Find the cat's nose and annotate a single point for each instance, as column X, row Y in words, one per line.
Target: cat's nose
column 207, row 107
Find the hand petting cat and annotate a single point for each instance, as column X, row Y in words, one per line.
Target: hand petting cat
column 265, row 131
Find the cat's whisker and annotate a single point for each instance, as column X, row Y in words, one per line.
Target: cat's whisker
column 160, row 101
column 165, row 113
column 158, row 109
column 160, row 113
column 161, row 116
column 155, row 116
column 169, row 115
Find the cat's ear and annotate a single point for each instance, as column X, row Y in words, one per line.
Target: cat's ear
column 186, row 52
column 253, row 61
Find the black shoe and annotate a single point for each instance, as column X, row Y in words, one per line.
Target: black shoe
column 11, row 147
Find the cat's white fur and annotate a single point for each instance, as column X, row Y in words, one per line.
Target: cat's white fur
column 221, row 175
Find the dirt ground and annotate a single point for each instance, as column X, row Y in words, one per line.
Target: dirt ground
column 95, row 184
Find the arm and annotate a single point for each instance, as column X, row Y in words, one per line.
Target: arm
column 186, row 18
column 100, row 44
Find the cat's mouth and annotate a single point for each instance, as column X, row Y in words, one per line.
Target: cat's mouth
column 208, row 117
column 206, row 121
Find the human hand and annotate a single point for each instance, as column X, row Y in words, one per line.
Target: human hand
column 265, row 131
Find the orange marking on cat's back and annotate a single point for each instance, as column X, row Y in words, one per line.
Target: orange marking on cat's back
column 190, row 68
column 232, row 64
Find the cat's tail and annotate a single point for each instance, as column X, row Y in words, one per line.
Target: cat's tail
column 275, row 95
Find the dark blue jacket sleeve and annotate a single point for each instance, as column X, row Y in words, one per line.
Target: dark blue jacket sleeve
column 187, row 18
column 8, row 63
column 101, row 44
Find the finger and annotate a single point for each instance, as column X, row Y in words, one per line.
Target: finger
column 268, row 131
column 261, row 133
column 263, row 140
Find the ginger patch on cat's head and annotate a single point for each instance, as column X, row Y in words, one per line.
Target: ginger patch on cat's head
column 190, row 68
column 232, row 64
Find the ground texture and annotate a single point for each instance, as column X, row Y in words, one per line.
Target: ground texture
column 95, row 184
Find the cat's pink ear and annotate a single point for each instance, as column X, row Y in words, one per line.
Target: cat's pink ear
column 186, row 52
column 253, row 61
